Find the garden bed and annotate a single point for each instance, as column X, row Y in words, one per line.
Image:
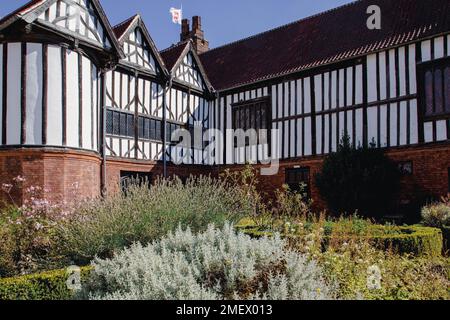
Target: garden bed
column 50, row 285
column 416, row 240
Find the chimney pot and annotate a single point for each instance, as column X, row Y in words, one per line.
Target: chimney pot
column 185, row 32
column 196, row 23
column 196, row 34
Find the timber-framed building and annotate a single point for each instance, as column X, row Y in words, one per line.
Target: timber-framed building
column 86, row 105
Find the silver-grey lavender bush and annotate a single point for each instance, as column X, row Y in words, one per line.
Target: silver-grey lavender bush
column 216, row 264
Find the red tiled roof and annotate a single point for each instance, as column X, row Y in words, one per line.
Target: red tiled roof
column 120, row 29
column 171, row 55
column 325, row 38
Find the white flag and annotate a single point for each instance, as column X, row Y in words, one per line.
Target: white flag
column 177, row 15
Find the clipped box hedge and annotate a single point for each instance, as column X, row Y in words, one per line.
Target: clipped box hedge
column 446, row 234
column 50, row 285
column 416, row 240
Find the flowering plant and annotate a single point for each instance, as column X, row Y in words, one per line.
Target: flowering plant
column 27, row 231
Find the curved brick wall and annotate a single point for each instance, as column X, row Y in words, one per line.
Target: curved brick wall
column 65, row 174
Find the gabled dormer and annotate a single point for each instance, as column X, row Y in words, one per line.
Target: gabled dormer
column 185, row 67
column 78, row 23
column 138, row 46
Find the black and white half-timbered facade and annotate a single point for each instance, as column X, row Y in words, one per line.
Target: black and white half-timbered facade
column 134, row 96
column 82, row 101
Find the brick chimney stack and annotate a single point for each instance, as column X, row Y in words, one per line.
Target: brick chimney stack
column 185, row 29
column 196, row 34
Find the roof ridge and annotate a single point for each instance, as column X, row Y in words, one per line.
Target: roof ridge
column 174, row 46
column 283, row 26
column 120, row 24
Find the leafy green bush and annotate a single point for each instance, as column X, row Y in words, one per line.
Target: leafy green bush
column 359, row 180
column 403, row 277
column 347, row 248
column 290, row 204
column 414, row 240
column 49, row 285
column 216, row 264
column 26, row 235
column 437, row 215
column 144, row 214
column 446, row 235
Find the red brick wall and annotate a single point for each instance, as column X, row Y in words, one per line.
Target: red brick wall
column 62, row 175
column 115, row 166
column 58, row 171
column 430, row 171
column 429, row 178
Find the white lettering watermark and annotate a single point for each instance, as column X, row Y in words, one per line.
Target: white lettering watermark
column 215, row 147
column 374, row 278
column 374, row 20
column 73, row 278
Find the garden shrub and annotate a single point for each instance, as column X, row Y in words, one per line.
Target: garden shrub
column 144, row 214
column 437, row 215
column 414, row 240
column 289, row 204
column 446, row 235
column 216, row 264
column 403, row 277
column 359, row 180
column 49, row 285
column 27, row 238
column 345, row 251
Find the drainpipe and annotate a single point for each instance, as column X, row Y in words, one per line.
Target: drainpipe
column 168, row 86
column 103, row 131
column 217, row 95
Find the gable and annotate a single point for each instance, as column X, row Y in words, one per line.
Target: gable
column 189, row 72
column 138, row 51
column 77, row 17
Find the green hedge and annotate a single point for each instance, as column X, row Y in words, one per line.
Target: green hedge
column 446, row 234
column 49, row 285
column 416, row 240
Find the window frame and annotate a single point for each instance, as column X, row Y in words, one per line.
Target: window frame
column 135, row 175
column 422, row 69
column 401, row 167
column 248, row 105
column 120, row 126
column 301, row 170
column 148, row 135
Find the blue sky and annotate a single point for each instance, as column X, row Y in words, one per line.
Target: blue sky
column 223, row 20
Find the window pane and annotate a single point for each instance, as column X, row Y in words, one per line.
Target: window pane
column 252, row 116
column 258, row 117
column 295, row 178
column 247, row 118
column 158, row 133
column 141, row 127
column 169, row 130
column 116, row 122
column 109, row 122
column 130, row 126
column 263, row 116
column 123, row 124
column 252, row 111
column 147, row 129
column 447, row 89
column 237, row 119
column 152, row 129
column 429, row 92
column 438, row 91
column 242, row 118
